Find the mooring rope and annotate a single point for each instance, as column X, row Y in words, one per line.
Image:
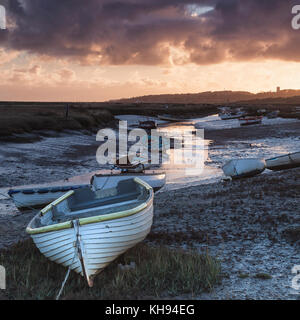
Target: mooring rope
column 66, row 277
column 69, row 269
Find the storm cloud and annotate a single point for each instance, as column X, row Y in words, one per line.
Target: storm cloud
column 128, row 32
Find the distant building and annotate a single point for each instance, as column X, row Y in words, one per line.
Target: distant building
column 278, row 89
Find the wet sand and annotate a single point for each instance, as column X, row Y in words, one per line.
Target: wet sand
column 248, row 224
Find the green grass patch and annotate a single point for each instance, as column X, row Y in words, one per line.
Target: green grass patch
column 159, row 272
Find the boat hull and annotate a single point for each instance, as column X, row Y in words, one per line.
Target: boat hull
column 244, row 168
column 102, row 242
column 229, row 116
column 36, row 198
column 288, row 161
column 86, row 230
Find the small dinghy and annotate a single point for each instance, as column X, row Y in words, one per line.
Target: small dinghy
column 243, row 168
column 231, row 115
column 156, row 180
column 287, row 161
column 28, row 198
column 86, row 230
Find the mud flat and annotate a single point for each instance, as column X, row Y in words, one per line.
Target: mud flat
column 252, row 226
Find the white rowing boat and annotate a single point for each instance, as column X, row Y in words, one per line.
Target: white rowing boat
column 105, row 181
column 242, row 168
column 86, row 230
column 286, row 161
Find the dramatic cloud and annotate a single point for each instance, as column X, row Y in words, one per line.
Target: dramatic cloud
column 153, row 32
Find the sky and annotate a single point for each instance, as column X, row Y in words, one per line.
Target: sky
column 99, row 50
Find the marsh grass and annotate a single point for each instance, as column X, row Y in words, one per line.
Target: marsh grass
column 159, row 272
column 17, row 118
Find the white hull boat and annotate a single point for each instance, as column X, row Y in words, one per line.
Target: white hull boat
column 287, row 161
column 28, row 198
column 242, row 168
column 86, row 230
column 105, row 181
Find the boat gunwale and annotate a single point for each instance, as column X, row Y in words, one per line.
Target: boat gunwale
column 90, row 220
column 283, row 156
column 145, row 173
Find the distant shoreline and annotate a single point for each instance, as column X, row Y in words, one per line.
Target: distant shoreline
column 23, row 121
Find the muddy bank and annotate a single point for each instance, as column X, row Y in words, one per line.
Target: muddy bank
column 251, row 225
column 280, row 130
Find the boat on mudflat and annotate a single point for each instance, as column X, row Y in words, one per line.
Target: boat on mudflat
column 86, row 230
column 28, row 198
column 156, row 180
column 287, row 161
column 248, row 121
column 231, row 115
column 243, row 168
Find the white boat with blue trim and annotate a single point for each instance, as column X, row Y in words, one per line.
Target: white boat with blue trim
column 39, row 197
column 86, row 230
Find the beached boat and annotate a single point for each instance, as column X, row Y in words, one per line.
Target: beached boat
column 27, row 198
column 86, row 230
column 242, row 168
column 287, row 161
column 106, row 181
column 231, row 115
column 273, row 114
column 248, row 121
